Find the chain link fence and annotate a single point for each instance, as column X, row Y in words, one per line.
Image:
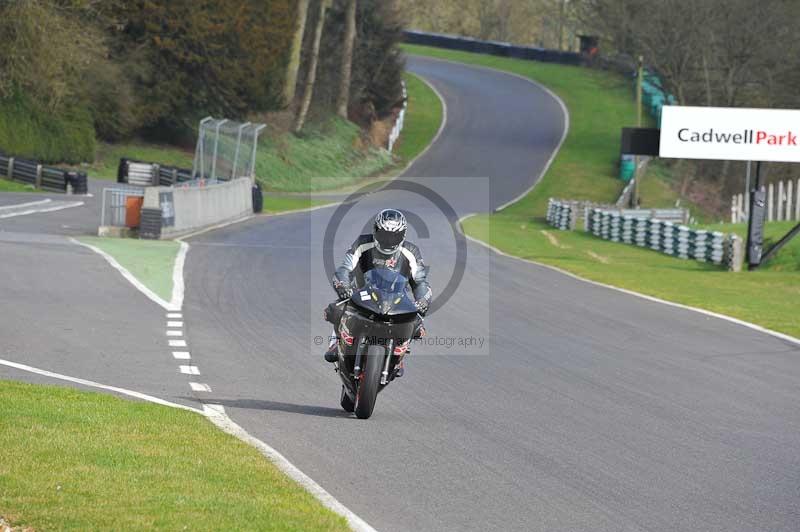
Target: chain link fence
column 226, row 149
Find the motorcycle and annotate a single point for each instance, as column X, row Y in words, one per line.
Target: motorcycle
column 376, row 327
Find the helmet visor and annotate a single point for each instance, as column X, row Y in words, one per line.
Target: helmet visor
column 389, row 240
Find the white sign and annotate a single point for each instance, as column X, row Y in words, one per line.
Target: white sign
column 734, row 134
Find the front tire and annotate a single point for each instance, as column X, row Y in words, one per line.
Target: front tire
column 370, row 382
column 347, row 404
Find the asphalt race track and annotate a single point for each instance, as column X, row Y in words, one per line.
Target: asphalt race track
column 583, row 409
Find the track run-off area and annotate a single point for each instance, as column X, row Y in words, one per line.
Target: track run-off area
column 574, row 407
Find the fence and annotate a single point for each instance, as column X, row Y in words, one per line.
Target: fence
column 667, row 237
column 782, row 204
column 225, row 149
column 42, row 177
column 400, row 122
column 502, row 49
column 114, row 210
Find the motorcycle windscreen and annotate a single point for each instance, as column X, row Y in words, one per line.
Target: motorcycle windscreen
column 385, row 291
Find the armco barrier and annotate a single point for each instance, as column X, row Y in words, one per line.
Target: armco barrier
column 502, row 49
column 42, row 177
column 667, row 237
column 185, row 209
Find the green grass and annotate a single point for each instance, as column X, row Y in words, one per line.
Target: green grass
column 278, row 204
column 150, row 261
column 27, row 130
column 74, row 460
column 423, row 119
column 108, row 156
column 327, row 156
column 769, row 297
column 13, row 186
column 600, row 104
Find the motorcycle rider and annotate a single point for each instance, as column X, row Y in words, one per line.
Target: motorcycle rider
column 387, row 248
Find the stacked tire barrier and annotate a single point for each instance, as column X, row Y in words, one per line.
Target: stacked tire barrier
column 664, row 236
column 42, row 177
column 562, row 214
column 502, row 49
column 146, row 174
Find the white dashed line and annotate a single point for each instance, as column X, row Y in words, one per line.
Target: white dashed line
column 174, row 333
column 189, row 370
column 178, row 324
column 177, row 343
column 199, row 387
column 175, row 316
column 181, row 355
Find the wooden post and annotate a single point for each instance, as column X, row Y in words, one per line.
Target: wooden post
column 733, row 210
column 770, row 202
column 789, row 198
column 10, row 168
column 38, row 176
column 779, row 203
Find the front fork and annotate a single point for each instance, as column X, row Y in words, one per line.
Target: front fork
column 360, row 356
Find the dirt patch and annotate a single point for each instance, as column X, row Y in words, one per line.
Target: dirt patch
column 599, row 258
column 553, row 240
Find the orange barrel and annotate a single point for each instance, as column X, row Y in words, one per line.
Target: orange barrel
column 133, row 211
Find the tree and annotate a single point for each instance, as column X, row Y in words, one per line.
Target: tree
column 293, row 67
column 311, row 74
column 347, row 58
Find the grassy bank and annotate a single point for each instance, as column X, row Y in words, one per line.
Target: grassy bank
column 423, row 118
column 769, row 297
column 599, row 105
column 83, row 461
column 13, row 186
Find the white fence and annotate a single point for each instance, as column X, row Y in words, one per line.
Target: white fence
column 783, row 203
column 400, row 122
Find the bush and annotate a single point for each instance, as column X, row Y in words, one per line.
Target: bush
column 27, row 130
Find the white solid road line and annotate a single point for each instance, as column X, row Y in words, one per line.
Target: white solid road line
column 92, row 384
column 37, row 211
column 128, row 276
column 216, row 414
column 177, row 343
column 28, row 204
column 189, row 370
column 178, row 324
column 199, row 387
column 181, row 355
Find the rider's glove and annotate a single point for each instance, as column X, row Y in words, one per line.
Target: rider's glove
column 343, row 290
column 422, row 305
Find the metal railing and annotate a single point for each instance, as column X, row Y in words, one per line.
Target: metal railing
column 114, row 207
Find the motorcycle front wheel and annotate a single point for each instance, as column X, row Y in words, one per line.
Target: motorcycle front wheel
column 370, row 382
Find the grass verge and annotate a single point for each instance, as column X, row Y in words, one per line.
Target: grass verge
column 599, row 105
column 769, row 297
column 150, row 261
column 74, row 460
column 12, row 186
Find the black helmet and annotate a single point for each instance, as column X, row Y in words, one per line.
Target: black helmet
column 389, row 230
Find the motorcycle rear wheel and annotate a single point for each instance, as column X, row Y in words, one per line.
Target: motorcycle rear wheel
column 370, row 382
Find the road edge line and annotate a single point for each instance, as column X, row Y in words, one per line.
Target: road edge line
column 92, row 384
column 223, row 422
column 227, row 425
column 758, row 328
column 28, row 204
column 128, row 276
column 178, row 285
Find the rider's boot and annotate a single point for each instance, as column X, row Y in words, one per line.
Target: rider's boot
column 332, row 354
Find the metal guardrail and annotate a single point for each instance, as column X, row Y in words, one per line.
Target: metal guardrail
column 502, row 49
column 114, row 205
